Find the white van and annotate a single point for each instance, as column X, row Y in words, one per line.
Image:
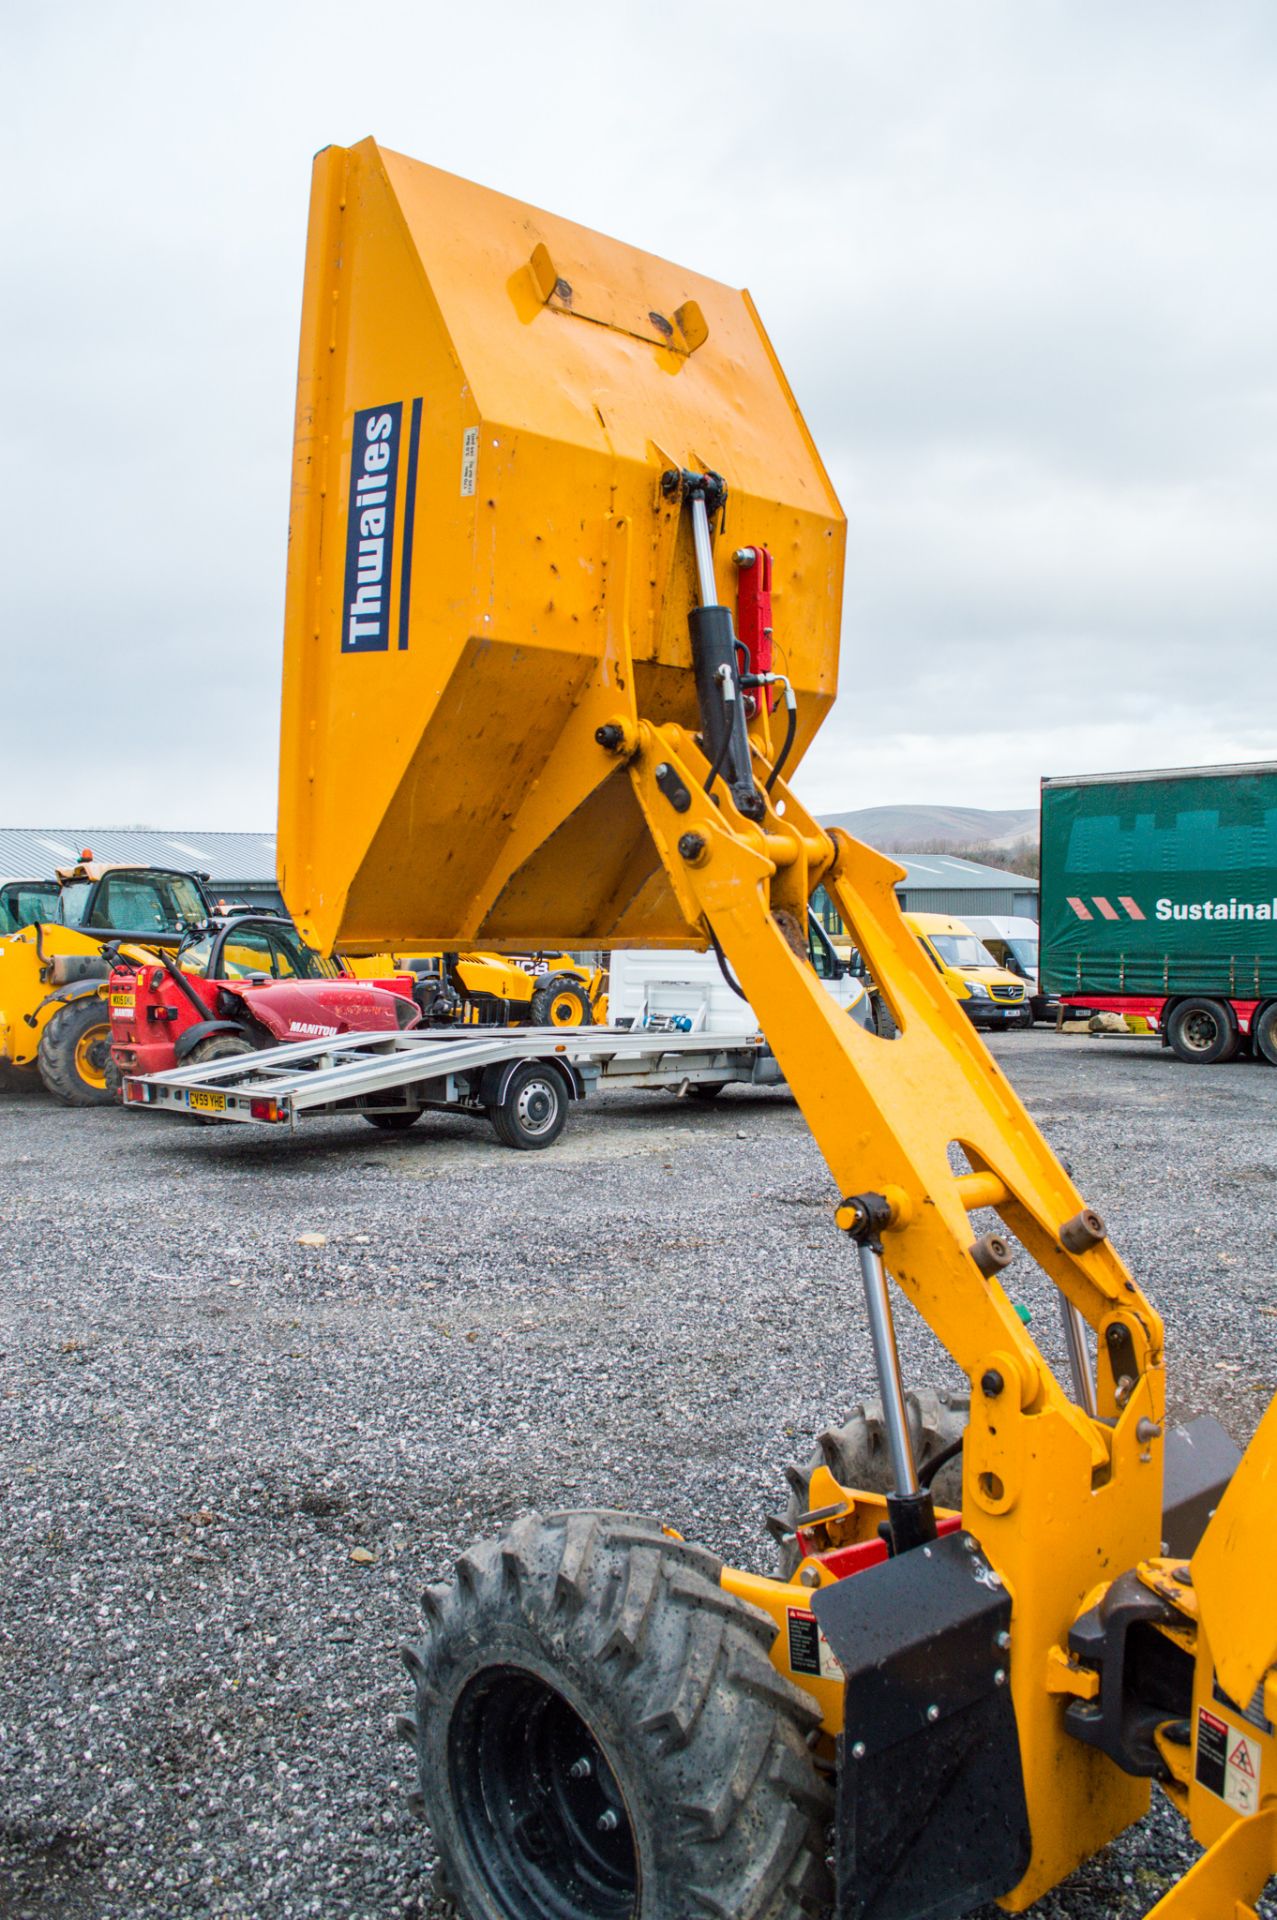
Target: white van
column 654, row 986
column 1013, row 942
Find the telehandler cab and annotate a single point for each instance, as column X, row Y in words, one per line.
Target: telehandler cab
column 54, row 970
column 563, row 612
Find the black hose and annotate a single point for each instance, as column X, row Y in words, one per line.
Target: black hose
column 940, row 1461
column 723, row 967
column 720, row 756
column 791, row 728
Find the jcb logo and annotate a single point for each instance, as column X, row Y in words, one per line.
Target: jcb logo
column 370, row 528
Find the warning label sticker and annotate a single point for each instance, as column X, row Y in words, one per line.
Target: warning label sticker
column 809, row 1651
column 1228, row 1762
column 469, row 460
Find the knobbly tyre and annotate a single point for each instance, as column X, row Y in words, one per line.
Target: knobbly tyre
column 575, row 742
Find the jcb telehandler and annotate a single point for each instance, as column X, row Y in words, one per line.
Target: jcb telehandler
column 551, row 497
column 54, row 971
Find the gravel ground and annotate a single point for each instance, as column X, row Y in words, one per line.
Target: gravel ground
column 231, row 1460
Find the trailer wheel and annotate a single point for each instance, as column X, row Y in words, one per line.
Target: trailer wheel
column 858, row 1457
column 533, row 1110
column 75, row 1053
column 1263, row 1032
column 1202, row 1032
column 600, row 1734
column 561, row 1001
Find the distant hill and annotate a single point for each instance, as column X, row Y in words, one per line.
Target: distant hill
column 914, row 829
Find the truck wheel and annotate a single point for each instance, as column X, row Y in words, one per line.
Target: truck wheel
column 75, row 1053
column 600, row 1734
column 1202, row 1032
column 534, row 1109
column 395, row 1122
column 858, row 1458
column 1263, row 1033
column 884, row 1020
column 561, row 1001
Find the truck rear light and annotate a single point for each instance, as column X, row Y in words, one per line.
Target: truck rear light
column 265, row 1108
column 136, row 1090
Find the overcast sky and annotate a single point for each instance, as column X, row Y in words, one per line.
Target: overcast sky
column 1017, row 258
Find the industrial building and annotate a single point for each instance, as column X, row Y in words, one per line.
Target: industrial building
column 239, row 866
column 944, row 883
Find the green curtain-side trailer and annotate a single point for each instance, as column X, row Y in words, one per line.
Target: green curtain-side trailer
column 1161, row 886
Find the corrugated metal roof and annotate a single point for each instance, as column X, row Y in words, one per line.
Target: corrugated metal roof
column 32, row 853
column 936, row 870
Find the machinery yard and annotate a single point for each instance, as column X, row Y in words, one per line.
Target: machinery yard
column 628, row 1290
column 235, row 1457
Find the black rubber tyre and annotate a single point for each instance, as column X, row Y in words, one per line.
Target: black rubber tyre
column 1202, row 1033
column 600, row 1734
column 218, row 1046
column 857, row 1454
column 75, row 1053
column 395, row 1122
column 534, row 1109
column 561, row 1001
column 709, row 1091
column 1026, row 1018
column 884, row 1020
column 1263, row 1033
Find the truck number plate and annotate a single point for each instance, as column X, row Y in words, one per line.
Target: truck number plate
column 122, row 1000
column 207, row 1102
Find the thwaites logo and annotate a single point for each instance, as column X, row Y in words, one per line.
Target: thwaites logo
column 375, row 460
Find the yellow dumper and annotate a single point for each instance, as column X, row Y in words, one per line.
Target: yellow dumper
column 563, row 611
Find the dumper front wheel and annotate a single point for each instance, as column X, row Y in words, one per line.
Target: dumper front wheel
column 600, row 1734
column 75, row 1053
column 857, row 1455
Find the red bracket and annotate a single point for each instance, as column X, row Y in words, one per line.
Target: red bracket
column 754, row 612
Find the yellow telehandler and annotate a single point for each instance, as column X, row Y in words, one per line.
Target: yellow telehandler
column 494, row 989
column 54, row 971
column 574, row 729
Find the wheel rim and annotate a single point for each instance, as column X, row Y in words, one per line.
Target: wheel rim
column 565, row 1010
column 536, row 1106
column 92, row 1054
column 1200, row 1030
column 540, row 1807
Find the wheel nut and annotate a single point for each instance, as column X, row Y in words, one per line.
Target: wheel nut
column 933, row 1714
column 858, row 1751
column 607, row 1822
column 580, row 1769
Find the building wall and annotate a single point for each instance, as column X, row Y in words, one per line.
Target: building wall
column 957, row 902
column 961, row 901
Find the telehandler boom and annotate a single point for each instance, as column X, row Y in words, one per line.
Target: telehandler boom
column 563, row 614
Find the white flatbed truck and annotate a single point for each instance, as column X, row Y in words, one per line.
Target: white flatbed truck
column 522, row 1078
